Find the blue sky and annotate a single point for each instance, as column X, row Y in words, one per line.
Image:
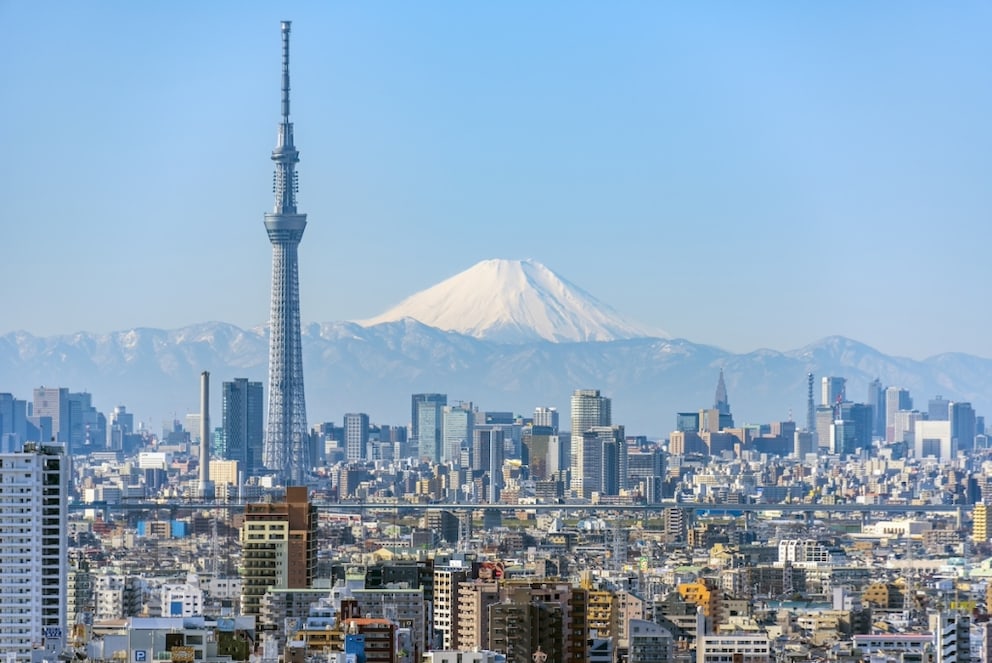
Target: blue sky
column 742, row 174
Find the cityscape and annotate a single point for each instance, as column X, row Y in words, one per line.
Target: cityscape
column 468, row 526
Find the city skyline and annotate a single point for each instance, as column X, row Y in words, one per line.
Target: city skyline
column 788, row 134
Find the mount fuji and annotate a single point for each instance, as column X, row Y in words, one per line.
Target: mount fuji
column 515, row 301
column 506, row 335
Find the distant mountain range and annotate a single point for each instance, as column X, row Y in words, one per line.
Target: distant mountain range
column 507, row 335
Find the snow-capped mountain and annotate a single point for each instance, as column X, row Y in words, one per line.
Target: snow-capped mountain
column 350, row 368
column 515, row 301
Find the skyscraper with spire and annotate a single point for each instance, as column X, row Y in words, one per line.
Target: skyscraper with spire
column 720, row 402
column 286, row 449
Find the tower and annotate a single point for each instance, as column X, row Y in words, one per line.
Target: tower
column 810, row 408
column 286, row 447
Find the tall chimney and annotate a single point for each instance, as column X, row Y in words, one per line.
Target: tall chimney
column 206, row 488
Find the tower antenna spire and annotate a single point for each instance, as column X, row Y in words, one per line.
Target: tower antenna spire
column 285, row 70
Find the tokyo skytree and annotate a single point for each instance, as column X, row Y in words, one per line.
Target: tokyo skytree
column 286, row 446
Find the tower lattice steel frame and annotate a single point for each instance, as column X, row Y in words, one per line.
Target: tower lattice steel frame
column 286, row 448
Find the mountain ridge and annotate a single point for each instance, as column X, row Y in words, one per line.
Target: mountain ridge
column 374, row 369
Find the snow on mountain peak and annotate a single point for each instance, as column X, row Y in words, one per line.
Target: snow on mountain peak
column 512, row 301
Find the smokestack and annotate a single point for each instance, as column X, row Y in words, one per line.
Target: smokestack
column 206, row 489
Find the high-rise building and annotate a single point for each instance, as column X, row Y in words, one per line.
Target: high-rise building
column 54, row 403
column 34, row 554
column 933, row 438
column 876, row 399
column 242, row 429
column 13, row 423
column 278, row 547
column 356, row 436
column 604, row 457
column 687, row 422
column 589, row 409
column 832, row 390
column 963, row 425
column 896, row 399
column 425, row 427
column 720, row 402
column 286, row 448
column 938, row 409
column 547, row 417
column 537, row 445
column 457, row 423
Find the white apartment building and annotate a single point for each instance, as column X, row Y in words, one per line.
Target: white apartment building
column 33, row 550
column 182, row 599
column 736, row 648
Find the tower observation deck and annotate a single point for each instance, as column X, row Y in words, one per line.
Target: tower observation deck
column 285, row 450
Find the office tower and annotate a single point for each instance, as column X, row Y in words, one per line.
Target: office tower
column 687, row 422
column 286, row 438
column 34, row 553
column 425, row 424
column 963, row 425
column 119, row 426
column 13, row 423
column 896, row 399
column 589, row 409
column 356, row 436
column 242, row 424
column 604, row 461
column 720, row 402
column 810, row 407
column 904, row 425
column 415, row 400
column 537, row 446
column 457, row 423
column 933, row 439
column 278, row 547
column 938, row 409
column 89, row 427
column 832, row 390
column 851, row 428
column 547, row 417
column 713, row 420
column 824, row 420
column 646, row 470
column 876, row 399
column 54, row 403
